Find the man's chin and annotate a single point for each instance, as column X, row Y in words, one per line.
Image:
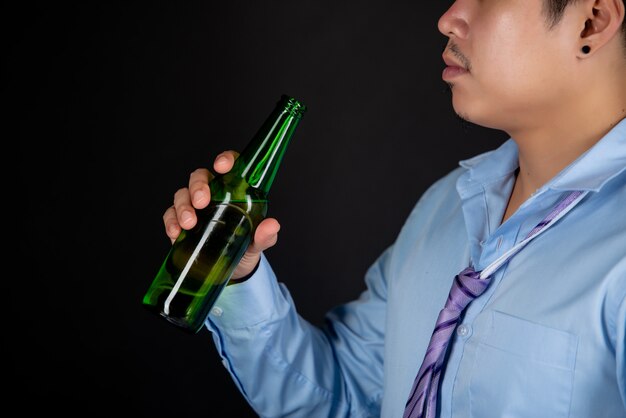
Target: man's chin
column 464, row 117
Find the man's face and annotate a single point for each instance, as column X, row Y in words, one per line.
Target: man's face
column 519, row 70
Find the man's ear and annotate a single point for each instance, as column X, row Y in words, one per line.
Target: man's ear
column 601, row 22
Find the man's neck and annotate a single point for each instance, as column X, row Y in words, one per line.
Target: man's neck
column 543, row 154
column 554, row 135
column 545, row 151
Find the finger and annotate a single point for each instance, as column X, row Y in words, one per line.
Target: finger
column 199, row 187
column 170, row 221
column 185, row 212
column 224, row 161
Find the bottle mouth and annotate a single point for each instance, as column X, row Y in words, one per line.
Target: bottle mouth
column 293, row 106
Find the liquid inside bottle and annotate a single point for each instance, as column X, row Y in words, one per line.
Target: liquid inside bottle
column 202, row 259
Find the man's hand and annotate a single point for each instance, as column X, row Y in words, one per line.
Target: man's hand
column 197, row 195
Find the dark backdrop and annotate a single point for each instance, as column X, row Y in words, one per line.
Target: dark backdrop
column 113, row 105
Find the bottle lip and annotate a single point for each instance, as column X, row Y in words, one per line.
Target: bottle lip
column 292, row 106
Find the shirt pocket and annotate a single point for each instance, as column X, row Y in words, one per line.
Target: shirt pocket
column 522, row 369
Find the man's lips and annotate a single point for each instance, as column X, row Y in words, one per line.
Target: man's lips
column 453, row 68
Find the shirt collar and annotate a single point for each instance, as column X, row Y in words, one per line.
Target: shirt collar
column 492, row 165
column 592, row 170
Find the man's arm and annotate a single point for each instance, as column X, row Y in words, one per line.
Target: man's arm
column 284, row 366
column 615, row 320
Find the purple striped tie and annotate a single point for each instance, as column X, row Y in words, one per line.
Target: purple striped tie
column 467, row 286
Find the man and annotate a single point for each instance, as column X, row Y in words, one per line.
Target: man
column 547, row 336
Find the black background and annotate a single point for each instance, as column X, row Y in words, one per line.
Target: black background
column 113, row 105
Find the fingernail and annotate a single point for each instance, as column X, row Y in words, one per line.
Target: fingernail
column 199, row 197
column 221, row 159
column 186, row 217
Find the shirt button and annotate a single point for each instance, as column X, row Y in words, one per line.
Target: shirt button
column 217, row 311
column 463, row 330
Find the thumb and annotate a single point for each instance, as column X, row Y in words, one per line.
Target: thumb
column 265, row 236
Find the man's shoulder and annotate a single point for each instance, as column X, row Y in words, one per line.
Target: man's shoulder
column 441, row 195
column 445, row 187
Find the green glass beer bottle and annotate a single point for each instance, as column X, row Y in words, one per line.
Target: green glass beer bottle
column 201, row 260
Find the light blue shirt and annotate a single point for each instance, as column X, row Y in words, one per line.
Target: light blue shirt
column 546, row 339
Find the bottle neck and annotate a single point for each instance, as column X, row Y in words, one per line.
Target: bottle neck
column 258, row 163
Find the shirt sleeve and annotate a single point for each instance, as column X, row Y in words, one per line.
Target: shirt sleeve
column 615, row 314
column 286, row 367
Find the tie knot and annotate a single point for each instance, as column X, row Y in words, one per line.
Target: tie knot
column 467, row 286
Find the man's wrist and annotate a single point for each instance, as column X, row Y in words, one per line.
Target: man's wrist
column 247, row 276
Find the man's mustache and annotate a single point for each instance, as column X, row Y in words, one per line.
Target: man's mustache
column 454, row 48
